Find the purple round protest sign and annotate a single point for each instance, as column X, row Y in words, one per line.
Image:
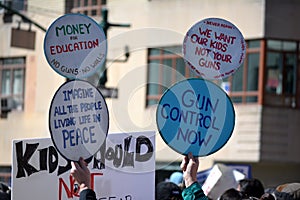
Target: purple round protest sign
column 214, row 48
column 78, row 120
column 75, row 46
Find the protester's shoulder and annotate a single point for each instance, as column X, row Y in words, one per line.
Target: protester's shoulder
column 194, row 192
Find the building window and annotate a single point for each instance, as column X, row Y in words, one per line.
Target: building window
column 268, row 75
column 281, row 73
column 86, row 7
column 5, row 175
column 12, row 82
column 20, row 5
column 165, row 67
column 242, row 86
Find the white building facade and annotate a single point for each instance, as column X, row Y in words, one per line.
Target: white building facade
column 265, row 134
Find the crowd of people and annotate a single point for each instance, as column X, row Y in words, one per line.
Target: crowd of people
column 186, row 187
column 247, row 189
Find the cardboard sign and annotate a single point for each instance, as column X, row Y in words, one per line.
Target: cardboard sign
column 75, row 46
column 78, row 120
column 125, row 163
column 214, row 48
column 195, row 115
column 220, row 179
column 243, row 169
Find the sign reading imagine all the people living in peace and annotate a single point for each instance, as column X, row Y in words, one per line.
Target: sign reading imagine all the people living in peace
column 78, row 120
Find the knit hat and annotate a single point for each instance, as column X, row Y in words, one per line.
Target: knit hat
column 176, row 177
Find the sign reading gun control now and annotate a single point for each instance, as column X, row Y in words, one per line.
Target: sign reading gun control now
column 78, row 120
column 75, row 46
column 214, row 48
column 195, row 116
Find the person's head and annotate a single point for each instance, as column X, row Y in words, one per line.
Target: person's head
column 251, row 187
column 168, row 191
column 231, row 194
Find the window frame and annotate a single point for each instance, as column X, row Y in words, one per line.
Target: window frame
column 87, row 7
column 283, row 99
column 161, row 56
column 12, row 67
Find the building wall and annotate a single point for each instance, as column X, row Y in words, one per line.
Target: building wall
column 280, row 138
column 164, row 23
column 41, row 81
column 280, row 19
column 244, row 145
column 153, row 24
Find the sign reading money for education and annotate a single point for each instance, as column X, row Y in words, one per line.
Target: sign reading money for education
column 214, row 48
column 78, row 120
column 195, row 115
column 75, row 46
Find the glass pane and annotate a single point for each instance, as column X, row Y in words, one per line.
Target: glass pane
column 180, row 68
column 173, row 50
column 153, row 78
column 18, row 102
column 152, row 102
column 94, row 12
column 236, row 99
column 290, row 68
column 18, row 5
column 274, row 44
column 237, row 80
column 274, row 73
column 253, row 44
column 94, row 2
column 167, row 72
column 289, row 46
column 153, row 52
column 18, row 81
column 6, row 84
column 252, row 75
column 10, row 61
column 85, row 2
column 251, row 99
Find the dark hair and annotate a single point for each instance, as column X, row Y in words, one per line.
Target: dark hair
column 251, row 187
column 167, row 191
column 231, row 194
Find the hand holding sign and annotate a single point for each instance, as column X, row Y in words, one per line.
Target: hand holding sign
column 78, row 120
column 214, row 48
column 195, row 116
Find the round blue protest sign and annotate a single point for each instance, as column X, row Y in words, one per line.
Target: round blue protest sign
column 75, row 46
column 214, row 48
column 195, row 115
column 78, row 120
